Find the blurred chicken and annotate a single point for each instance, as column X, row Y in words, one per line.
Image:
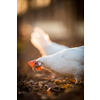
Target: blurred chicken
column 65, row 62
column 43, row 43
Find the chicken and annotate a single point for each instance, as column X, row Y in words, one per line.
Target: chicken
column 43, row 43
column 65, row 62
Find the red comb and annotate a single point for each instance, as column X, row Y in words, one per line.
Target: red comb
column 31, row 63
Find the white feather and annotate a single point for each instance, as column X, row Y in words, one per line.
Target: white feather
column 66, row 62
column 43, row 43
column 60, row 59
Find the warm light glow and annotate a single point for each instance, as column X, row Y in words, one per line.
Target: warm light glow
column 41, row 3
column 25, row 29
column 21, row 6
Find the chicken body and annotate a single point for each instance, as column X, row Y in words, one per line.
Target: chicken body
column 43, row 43
column 58, row 58
column 66, row 62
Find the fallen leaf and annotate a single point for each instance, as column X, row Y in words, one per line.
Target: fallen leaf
column 64, row 86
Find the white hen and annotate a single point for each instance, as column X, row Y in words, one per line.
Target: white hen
column 43, row 43
column 66, row 62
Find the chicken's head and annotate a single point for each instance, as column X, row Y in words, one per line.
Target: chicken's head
column 35, row 65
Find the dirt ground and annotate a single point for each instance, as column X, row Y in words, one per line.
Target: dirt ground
column 43, row 85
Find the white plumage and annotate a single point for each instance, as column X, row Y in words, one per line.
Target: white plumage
column 43, row 43
column 58, row 58
column 66, row 62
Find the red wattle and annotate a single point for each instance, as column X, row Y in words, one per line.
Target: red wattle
column 39, row 68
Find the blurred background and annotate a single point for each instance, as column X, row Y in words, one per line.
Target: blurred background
column 63, row 20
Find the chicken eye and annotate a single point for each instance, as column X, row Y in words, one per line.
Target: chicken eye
column 36, row 63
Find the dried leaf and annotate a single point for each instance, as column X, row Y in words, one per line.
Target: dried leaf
column 64, row 86
column 72, row 80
